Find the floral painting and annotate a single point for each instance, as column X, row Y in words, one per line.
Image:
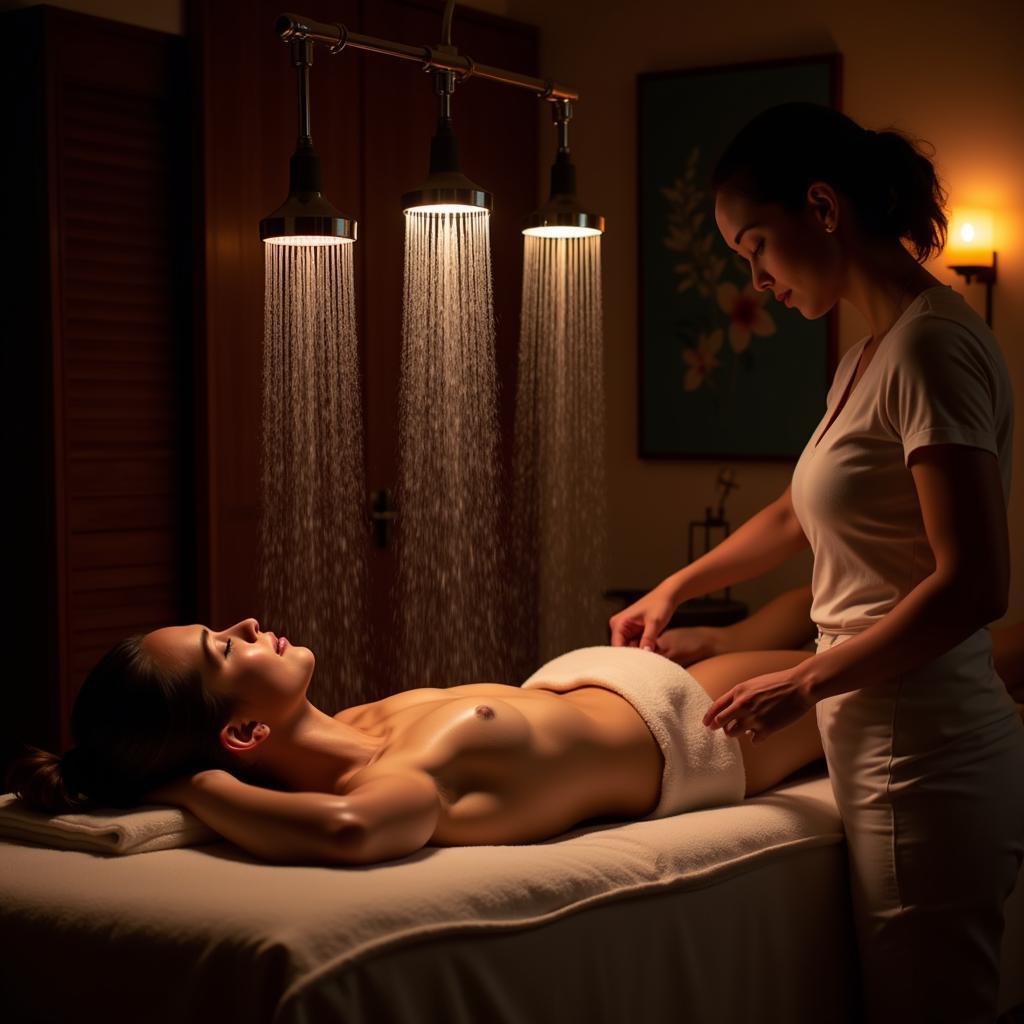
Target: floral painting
column 725, row 370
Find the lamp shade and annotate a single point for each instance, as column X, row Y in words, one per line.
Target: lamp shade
column 970, row 240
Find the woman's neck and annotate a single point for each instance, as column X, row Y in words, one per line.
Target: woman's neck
column 881, row 282
column 315, row 752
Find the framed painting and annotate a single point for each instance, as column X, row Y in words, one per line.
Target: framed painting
column 724, row 370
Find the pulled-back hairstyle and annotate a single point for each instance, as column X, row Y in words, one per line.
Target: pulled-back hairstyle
column 136, row 725
column 892, row 185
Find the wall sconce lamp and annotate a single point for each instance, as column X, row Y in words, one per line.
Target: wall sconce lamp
column 970, row 246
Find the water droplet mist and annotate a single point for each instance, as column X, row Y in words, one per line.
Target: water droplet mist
column 314, row 526
column 560, row 519
column 452, row 602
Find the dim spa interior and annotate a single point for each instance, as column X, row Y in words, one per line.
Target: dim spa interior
column 374, row 371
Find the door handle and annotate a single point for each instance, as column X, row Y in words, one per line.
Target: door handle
column 382, row 516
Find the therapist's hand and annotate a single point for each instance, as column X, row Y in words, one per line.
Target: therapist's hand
column 640, row 624
column 761, row 705
column 687, row 644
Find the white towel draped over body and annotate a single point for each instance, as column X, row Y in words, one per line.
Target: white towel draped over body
column 703, row 767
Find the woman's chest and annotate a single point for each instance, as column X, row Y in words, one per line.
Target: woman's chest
column 853, row 467
column 471, row 735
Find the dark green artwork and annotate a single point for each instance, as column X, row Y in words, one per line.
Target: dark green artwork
column 725, row 370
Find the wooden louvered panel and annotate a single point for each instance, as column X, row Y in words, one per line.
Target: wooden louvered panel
column 87, row 186
column 125, row 419
column 126, row 410
column 134, row 433
column 91, row 391
column 109, row 330
column 140, row 293
column 119, row 476
column 102, row 549
column 118, row 513
column 99, row 343
column 86, row 581
column 87, row 274
column 85, row 349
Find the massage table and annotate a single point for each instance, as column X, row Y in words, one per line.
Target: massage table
column 723, row 915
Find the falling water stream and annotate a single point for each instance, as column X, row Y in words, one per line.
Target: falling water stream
column 451, row 597
column 560, row 505
column 314, row 526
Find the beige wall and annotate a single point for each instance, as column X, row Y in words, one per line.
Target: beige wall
column 947, row 71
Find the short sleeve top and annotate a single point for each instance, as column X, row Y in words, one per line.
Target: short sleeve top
column 937, row 377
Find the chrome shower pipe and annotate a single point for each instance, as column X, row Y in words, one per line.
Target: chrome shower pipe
column 433, row 58
column 562, row 111
column 302, row 58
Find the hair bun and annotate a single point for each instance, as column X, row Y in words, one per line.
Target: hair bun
column 46, row 782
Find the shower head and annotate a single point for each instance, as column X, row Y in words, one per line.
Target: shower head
column 562, row 216
column 447, row 189
column 305, row 217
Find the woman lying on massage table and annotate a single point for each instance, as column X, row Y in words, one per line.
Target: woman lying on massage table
column 219, row 723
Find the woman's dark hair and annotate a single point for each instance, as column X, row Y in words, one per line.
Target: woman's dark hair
column 890, row 182
column 136, row 724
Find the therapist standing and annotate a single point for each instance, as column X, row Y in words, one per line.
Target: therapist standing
column 901, row 493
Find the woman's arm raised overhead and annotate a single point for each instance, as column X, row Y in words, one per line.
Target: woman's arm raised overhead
column 387, row 817
column 281, row 827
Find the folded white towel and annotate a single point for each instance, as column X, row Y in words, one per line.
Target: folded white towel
column 105, row 830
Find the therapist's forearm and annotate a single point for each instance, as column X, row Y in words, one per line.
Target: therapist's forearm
column 934, row 617
column 762, row 543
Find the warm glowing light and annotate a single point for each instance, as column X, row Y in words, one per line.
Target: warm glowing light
column 561, row 231
column 970, row 241
column 308, row 240
column 446, row 208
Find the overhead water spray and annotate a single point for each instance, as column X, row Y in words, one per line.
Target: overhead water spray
column 313, row 528
column 453, row 611
column 560, row 507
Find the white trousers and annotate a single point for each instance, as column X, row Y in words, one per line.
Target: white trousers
column 928, row 773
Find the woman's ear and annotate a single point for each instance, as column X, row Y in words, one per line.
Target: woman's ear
column 824, row 204
column 241, row 737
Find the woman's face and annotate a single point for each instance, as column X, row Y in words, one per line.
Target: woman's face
column 259, row 669
column 788, row 253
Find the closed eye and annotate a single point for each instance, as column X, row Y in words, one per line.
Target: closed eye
column 760, row 247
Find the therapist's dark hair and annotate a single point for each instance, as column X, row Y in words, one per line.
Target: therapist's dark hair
column 136, row 725
column 891, row 183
